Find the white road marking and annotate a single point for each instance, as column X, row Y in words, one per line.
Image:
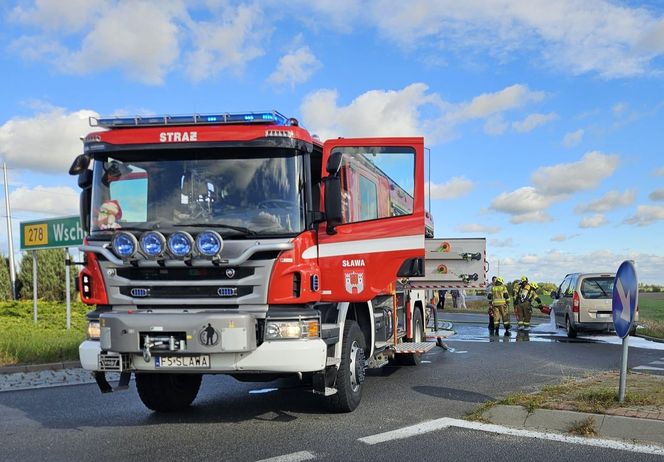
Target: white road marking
column 292, row 457
column 648, row 368
column 658, row 363
column 446, row 422
column 263, row 390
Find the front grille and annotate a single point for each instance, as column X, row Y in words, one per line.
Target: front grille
column 184, row 274
column 188, row 291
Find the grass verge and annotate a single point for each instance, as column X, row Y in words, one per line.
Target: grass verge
column 597, row 394
column 24, row 342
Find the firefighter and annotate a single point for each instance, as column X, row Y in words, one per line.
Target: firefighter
column 531, row 297
column 490, row 311
column 520, row 304
column 516, row 285
column 499, row 297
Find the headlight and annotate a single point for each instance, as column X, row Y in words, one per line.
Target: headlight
column 281, row 330
column 153, row 244
column 94, row 332
column 180, row 244
column 209, row 243
column 124, row 244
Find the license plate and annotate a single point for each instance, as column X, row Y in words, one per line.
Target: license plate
column 182, row 362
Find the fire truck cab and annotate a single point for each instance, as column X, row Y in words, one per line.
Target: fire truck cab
column 240, row 244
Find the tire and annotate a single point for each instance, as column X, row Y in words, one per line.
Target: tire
column 352, row 368
column 571, row 331
column 414, row 359
column 167, row 392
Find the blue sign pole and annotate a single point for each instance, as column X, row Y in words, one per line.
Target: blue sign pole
column 625, row 301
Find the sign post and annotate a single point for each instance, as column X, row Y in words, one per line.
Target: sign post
column 53, row 233
column 625, row 301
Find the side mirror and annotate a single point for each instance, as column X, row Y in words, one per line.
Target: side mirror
column 554, row 294
column 80, row 164
column 332, row 202
column 85, row 179
column 333, row 163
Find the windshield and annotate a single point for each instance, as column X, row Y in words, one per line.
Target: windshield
column 234, row 194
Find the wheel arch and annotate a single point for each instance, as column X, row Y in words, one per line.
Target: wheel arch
column 362, row 313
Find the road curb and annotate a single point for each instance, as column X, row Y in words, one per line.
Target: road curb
column 607, row 426
column 40, row 367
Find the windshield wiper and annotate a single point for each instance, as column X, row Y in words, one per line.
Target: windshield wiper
column 240, row 229
column 600, row 288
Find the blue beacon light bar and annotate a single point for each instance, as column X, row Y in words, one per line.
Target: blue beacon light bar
column 267, row 117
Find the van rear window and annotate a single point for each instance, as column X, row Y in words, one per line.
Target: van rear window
column 601, row 287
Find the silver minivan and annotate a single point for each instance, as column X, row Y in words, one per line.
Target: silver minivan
column 583, row 302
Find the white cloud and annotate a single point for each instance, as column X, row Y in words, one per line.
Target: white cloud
column 618, row 108
column 593, row 221
column 47, row 142
column 563, row 237
column 374, row 113
column 659, row 171
column 51, row 15
column 488, row 104
column 495, row 125
column 657, row 195
column 49, row 200
column 558, row 264
column 227, row 43
column 577, row 37
column 478, row 228
column 646, row 215
column 508, row 242
column 571, row 139
column 584, row 174
column 457, row 186
column 533, row 121
column 398, row 112
column 143, row 38
column 295, row 67
column 609, row 201
column 525, row 204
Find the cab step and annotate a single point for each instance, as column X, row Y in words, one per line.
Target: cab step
column 413, row 347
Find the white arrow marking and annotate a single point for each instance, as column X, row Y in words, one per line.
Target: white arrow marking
column 624, row 301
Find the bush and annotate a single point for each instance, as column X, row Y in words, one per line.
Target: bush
column 5, row 281
column 50, row 275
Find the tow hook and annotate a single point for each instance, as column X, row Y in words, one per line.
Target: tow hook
column 147, row 344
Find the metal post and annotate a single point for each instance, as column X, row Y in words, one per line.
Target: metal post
column 10, row 238
column 67, row 288
column 623, row 370
column 34, row 286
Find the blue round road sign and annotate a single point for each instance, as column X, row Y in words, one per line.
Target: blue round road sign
column 625, row 298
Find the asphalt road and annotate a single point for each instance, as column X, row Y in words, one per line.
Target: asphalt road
column 252, row 421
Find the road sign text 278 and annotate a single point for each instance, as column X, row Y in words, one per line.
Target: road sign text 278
column 36, row 234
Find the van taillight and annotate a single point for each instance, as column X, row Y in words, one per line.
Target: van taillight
column 575, row 302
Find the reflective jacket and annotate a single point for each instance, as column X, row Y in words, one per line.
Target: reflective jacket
column 499, row 295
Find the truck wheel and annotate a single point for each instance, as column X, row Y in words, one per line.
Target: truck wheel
column 571, row 331
column 414, row 359
column 167, row 392
column 350, row 377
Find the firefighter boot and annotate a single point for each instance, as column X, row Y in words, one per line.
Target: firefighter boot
column 507, row 331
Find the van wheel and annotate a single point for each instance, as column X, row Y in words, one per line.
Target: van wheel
column 571, row 331
column 167, row 392
column 350, row 378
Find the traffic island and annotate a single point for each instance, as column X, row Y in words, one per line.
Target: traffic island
column 586, row 407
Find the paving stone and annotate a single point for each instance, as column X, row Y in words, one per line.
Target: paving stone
column 507, row 415
column 630, row 428
column 560, row 421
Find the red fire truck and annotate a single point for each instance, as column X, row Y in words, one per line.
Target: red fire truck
column 240, row 244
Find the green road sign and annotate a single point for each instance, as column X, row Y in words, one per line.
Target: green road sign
column 52, row 233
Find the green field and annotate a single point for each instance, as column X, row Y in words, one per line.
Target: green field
column 23, row 342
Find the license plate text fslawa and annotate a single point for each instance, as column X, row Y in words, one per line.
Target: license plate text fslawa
column 183, row 362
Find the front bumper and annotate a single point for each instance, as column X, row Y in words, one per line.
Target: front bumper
column 270, row 356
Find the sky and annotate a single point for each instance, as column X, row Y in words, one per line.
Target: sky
column 543, row 120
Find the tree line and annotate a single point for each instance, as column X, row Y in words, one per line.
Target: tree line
column 50, row 276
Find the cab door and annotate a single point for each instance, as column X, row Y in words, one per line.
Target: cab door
column 379, row 235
